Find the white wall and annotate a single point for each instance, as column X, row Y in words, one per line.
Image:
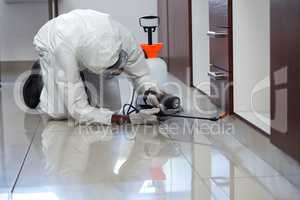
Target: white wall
column 126, row 12
column 19, row 23
column 251, row 41
column 200, row 26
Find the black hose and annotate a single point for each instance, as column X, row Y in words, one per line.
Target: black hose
column 130, row 106
column 192, row 117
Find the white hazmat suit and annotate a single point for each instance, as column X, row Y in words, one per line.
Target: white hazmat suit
column 78, row 40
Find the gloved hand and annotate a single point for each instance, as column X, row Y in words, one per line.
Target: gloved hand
column 152, row 96
column 152, row 100
column 146, row 116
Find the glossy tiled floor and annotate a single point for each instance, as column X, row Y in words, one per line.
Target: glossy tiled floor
column 178, row 159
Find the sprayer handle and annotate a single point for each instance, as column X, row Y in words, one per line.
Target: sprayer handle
column 149, row 17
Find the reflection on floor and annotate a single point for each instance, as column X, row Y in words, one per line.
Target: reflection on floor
column 178, row 159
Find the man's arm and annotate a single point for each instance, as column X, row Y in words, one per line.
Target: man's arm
column 138, row 69
column 70, row 85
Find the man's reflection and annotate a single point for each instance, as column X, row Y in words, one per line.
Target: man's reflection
column 104, row 156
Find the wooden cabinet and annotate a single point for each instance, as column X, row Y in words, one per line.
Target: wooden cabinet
column 251, row 62
column 221, row 61
column 220, row 92
column 285, row 70
column 220, row 13
column 163, row 29
column 175, row 33
column 221, row 48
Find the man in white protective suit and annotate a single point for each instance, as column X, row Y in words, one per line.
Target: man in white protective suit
column 85, row 40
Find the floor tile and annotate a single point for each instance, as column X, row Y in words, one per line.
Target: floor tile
column 263, row 148
column 244, row 157
column 211, row 161
column 15, row 117
column 233, row 179
column 231, row 149
column 239, row 173
column 81, row 163
column 259, row 188
column 179, row 159
column 4, row 195
column 16, row 132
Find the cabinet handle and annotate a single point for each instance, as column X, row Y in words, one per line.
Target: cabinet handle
column 214, row 34
column 217, row 75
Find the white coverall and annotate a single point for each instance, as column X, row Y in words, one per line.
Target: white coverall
column 78, row 40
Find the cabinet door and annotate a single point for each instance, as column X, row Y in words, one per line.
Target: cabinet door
column 221, row 47
column 220, row 42
column 179, row 28
column 219, row 13
column 285, row 54
column 200, row 23
column 163, row 29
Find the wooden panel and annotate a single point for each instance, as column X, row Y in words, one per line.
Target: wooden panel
column 221, row 90
column 221, row 52
column 219, row 13
column 285, row 43
column 163, row 30
column 221, row 49
column 0, row 71
column 179, row 28
column 10, row 69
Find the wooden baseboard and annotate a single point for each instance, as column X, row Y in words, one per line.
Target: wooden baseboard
column 9, row 70
column 12, row 66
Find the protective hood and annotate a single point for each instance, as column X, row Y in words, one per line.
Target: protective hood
column 99, row 52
